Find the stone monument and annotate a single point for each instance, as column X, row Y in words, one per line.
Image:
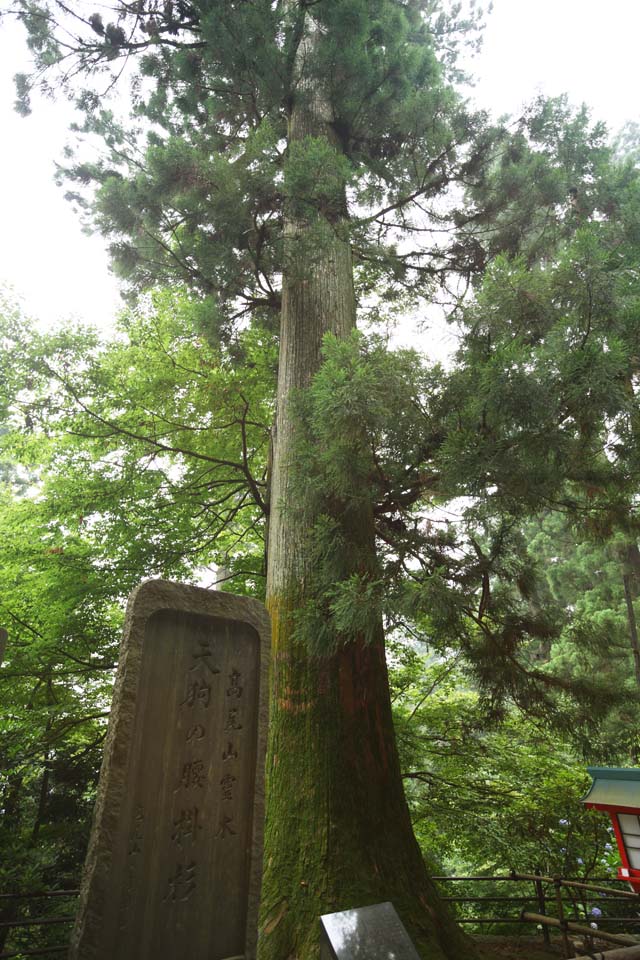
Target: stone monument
column 175, row 857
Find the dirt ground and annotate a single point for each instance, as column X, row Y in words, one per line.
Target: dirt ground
column 517, row 948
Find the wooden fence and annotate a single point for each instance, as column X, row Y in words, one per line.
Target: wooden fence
column 569, row 905
column 29, row 916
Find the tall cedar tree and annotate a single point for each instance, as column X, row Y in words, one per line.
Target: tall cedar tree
column 278, row 151
column 255, row 121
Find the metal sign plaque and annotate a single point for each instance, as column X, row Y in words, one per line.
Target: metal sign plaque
column 366, row 933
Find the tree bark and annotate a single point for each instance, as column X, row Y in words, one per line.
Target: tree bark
column 338, row 833
column 631, row 561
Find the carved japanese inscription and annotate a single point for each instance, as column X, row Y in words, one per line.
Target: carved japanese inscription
column 174, row 862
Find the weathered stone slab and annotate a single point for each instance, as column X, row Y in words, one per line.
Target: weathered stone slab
column 175, row 857
column 366, row 933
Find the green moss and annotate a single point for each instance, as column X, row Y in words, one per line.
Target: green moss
column 338, row 833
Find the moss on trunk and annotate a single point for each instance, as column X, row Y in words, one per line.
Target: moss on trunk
column 338, row 828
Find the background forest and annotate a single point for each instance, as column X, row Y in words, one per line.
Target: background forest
column 502, row 486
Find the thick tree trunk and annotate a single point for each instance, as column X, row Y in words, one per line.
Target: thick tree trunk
column 338, row 828
column 631, row 561
column 338, row 833
column 631, row 581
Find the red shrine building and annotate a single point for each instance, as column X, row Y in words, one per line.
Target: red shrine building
column 618, row 792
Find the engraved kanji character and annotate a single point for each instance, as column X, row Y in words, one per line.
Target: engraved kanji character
column 196, row 732
column 186, row 827
column 135, row 846
column 225, row 826
column 232, row 720
column 182, row 883
column 203, row 656
column 197, row 692
column 227, row 783
column 136, row 838
column 193, row 775
column 230, row 753
column 234, row 689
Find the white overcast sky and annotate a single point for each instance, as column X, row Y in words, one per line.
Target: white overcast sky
column 586, row 48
